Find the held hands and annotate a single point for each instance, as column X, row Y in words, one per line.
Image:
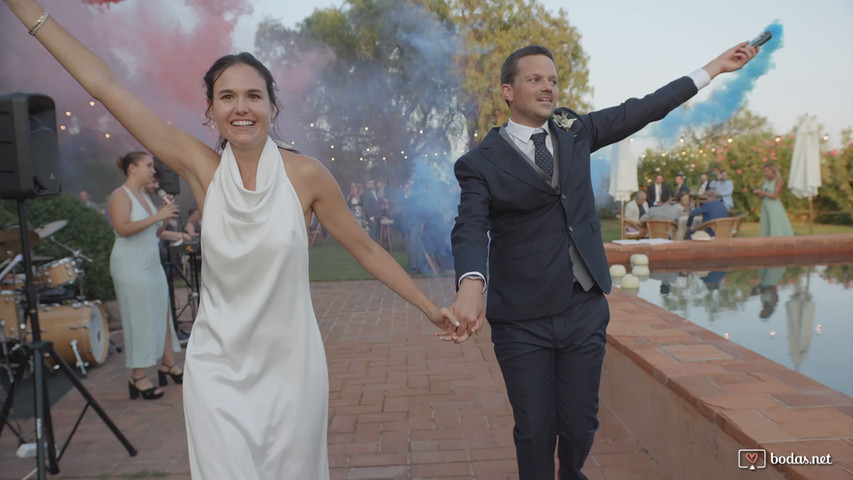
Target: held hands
column 447, row 322
column 469, row 308
column 732, row 59
column 758, row 191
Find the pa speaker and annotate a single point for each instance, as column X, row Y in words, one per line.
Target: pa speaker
column 169, row 180
column 29, row 152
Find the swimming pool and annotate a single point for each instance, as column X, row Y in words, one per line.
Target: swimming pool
column 800, row 317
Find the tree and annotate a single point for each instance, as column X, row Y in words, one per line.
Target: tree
column 492, row 29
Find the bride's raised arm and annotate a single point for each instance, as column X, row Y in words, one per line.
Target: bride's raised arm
column 182, row 152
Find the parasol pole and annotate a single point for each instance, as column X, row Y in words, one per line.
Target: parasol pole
column 810, row 215
column 622, row 222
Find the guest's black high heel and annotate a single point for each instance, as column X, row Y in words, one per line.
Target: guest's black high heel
column 147, row 394
column 176, row 377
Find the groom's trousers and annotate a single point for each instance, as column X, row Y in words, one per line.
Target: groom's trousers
column 552, row 369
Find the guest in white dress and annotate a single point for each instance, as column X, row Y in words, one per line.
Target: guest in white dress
column 256, row 384
column 139, row 279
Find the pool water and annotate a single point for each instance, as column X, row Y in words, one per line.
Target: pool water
column 800, row 317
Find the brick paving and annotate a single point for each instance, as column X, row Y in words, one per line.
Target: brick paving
column 403, row 405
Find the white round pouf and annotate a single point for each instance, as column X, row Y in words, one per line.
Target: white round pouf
column 639, row 259
column 630, row 282
column 617, row 270
column 640, row 271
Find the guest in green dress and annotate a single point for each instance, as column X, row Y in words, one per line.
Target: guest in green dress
column 774, row 220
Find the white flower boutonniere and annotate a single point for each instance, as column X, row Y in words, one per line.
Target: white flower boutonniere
column 563, row 120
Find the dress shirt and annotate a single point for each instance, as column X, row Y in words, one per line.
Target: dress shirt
column 520, row 135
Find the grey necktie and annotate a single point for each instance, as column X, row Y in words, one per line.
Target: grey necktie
column 541, row 155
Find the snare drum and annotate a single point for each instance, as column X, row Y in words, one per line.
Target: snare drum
column 11, row 314
column 84, row 322
column 58, row 273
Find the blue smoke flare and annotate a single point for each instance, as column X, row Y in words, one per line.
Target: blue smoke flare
column 727, row 98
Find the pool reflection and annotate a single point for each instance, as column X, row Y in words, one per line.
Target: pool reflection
column 797, row 303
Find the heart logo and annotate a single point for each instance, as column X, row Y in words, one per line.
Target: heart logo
column 751, row 457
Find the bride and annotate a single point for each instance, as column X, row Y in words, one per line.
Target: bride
column 256, row 383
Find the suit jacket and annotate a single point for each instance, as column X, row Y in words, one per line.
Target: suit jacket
column 370, row 204
column 520, row 226
column 632, row 210
column 651, row 193
column 709, row 211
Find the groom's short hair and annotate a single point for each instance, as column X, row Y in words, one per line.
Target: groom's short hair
column 510, row 67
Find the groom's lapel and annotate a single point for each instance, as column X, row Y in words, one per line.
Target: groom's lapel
column 565, row 142
column 498, row 151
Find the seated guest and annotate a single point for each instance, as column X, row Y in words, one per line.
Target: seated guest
column 665, row 211
column 712, row 209
column 657, row 190
column 680, row 186
column 633, row 211
column 685, row 203
column 637, row 208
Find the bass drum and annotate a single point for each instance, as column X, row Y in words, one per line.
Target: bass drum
column 84, row 322
column 11, row 314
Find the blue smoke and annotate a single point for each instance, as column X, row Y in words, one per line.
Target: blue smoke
column 727, row 98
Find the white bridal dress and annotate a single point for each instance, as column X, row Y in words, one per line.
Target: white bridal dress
column 256, row 385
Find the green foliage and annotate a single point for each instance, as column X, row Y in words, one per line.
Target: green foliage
column 87, row 230
column 835, row 198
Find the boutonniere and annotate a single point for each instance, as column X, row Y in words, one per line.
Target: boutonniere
column 563, row 120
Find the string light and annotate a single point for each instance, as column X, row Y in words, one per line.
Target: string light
column 62, row 127
column 333, row 147
column 778, row 139
column 107, row 135
column 67, row 114
column 311, row 125
column 730, row 140
column 91, row 104
column 365, row 129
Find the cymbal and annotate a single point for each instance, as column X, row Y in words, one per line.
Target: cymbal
column 10, row 242
column 49, row 229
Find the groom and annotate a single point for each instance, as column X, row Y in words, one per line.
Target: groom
column 527, row 212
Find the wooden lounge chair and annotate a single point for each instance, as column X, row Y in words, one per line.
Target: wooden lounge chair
column 740, row 218
column 658, row 228
column 722, row 227
column 639, row 226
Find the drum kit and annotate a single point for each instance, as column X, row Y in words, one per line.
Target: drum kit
column 77, row 328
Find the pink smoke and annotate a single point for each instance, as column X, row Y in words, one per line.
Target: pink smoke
column 160, row 49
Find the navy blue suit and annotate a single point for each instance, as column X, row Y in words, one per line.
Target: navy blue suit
column 549, row 333
column 710, row 211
